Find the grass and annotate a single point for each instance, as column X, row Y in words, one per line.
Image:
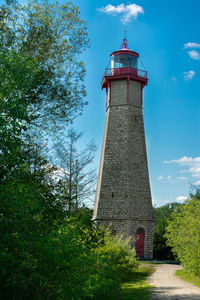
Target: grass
column 182, row 274
column 138, row 288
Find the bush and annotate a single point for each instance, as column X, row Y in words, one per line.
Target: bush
column 29, row 213
column 116, row 263
column 73, row 260
column 120, row 255
column 183, row 235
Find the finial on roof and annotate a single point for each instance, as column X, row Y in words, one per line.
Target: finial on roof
column 125, row 42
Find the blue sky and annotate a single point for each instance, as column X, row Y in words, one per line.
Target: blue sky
column 158, row 31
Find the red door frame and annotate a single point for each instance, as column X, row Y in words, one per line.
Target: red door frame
column 139, row 242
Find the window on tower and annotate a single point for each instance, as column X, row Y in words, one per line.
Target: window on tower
column 123, row 61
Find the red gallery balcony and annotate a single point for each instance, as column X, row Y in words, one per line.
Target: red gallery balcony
column 123, row 73
column 126, row 71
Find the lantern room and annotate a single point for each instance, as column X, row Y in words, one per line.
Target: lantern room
column 124, row 64
column 124, row 57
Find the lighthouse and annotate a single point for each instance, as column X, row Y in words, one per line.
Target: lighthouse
column 123, row 194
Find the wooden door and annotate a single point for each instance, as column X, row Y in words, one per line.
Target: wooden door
column 139, row 242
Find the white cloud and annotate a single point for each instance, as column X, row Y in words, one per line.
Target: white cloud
column 58, row 173
column 111, row 9
column 127, row 12
column 196, row 175
column 191, row 45
column 195, row 169
column 192, row 164
column 181, row 198
column 160, row 178
column 184, row 161
column 197, row 182
column 194, row 54
column 182, row 178
column 189, row 75
column 159, row 202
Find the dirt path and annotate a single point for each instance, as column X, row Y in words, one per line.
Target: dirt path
column 168, row 286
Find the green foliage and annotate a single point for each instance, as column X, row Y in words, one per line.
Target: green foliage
column 51, row 266
column 116, row 263
column 53, row 36
column 188, row 277
column 162, row 216
column 20, row 76
column 29, row 212
column 183, row 235
column 120, row 254
column 44, row 256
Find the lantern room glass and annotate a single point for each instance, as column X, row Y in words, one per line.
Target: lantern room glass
column 124, row 61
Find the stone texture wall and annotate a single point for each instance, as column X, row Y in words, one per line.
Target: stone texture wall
column 118, row 95
column 135, row 92
column 123, row 196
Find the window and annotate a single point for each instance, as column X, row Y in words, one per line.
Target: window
column 124, row 60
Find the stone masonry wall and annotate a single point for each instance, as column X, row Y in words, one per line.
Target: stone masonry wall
column 123, row 196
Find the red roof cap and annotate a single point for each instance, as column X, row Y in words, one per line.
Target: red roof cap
column 125, row 49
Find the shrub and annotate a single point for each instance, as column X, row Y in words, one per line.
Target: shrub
column 116, row 262
column 51, row 266
column 183, row 234
column 73, row 260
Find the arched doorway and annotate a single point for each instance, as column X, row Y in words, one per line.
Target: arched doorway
column 139, row 242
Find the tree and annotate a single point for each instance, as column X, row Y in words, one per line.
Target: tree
column 162, row 216
column 40, row 46
column 29, row 214
column 183, row 235
column 75, row 177
column 29, row 210
column 30, row 89
column 19, row 75
column 53, row 35
column 195, row 191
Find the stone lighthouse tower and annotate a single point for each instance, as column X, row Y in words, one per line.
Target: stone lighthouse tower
column 123, row 195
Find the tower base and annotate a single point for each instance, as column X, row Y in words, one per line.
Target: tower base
column 142, row 242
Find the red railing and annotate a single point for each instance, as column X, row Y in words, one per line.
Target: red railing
column 125, row 71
